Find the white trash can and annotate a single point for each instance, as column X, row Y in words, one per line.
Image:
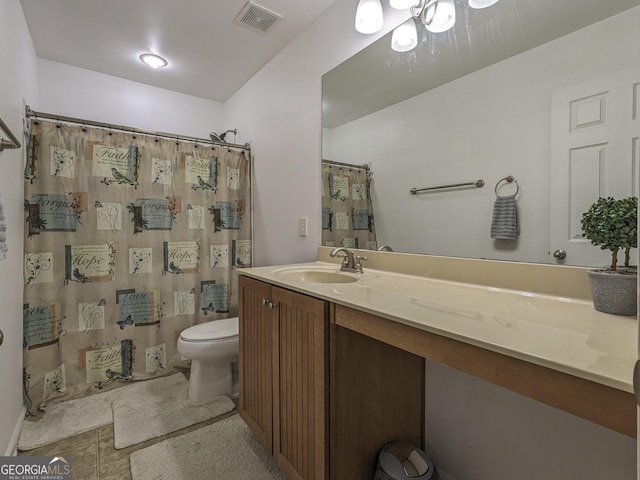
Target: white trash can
column 401, row 461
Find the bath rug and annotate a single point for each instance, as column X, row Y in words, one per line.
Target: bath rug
column 66, row 419
column 226, row 450
column 73, row 417
column 159, row 410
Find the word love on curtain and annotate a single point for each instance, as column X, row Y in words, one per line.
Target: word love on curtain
column 347, row 211
column 129, row 239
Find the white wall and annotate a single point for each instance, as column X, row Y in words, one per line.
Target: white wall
column 486, row 125
column 18, row 83
column 77, row 92
column 279, row 110
column 478, row 431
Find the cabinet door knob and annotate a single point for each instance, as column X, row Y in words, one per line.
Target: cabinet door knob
column 272, row 305
column 264, row 301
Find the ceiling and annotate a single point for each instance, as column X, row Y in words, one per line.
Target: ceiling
column 209, row 56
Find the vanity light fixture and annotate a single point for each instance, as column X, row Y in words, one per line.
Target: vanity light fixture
column 369, row 16
column 405, row 36
column 436, row 15
column 153, row 60
column 439, row 16
column 401, row 4
column 481, row 3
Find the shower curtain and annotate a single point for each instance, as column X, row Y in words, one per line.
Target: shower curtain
column 129, row 239
column 347, row 212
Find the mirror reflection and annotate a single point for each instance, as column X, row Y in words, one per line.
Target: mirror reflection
column 544, row 92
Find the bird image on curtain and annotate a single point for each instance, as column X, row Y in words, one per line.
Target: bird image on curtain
column 347, row 211
column 129, row 239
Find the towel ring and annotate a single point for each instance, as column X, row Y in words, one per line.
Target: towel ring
column 508, row 179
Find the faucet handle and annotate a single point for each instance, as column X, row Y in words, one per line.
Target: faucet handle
column 357, row 264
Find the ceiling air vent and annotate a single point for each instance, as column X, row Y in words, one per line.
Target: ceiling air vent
column 256, row 17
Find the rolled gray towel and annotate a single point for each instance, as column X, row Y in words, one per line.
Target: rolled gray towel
column 505, row 224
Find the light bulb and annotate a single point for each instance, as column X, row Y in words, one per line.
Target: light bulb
column 405, row 36
column 369, row 16
column 443, row 17
column 481, row 3
column 153, row 60
column 402, row 4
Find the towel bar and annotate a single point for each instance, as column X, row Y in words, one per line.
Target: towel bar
column 477, row 183
column 4, row 143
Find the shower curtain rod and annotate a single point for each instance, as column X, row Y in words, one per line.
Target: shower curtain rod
column 124, row 128
column 348, row 165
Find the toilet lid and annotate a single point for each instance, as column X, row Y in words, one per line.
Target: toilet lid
column 213, row 330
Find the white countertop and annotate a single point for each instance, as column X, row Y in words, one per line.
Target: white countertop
column 564, row 334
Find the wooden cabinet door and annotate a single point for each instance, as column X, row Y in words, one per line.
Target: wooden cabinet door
column 300, row 355
column 255, row 370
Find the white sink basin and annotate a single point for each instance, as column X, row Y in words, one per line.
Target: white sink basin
column 316, row 275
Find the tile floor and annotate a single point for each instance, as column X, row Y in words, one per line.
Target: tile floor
column 93, row 456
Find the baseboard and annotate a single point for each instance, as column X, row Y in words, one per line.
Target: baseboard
column 12, row 448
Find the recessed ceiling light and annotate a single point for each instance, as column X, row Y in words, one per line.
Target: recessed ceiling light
column 153, row 60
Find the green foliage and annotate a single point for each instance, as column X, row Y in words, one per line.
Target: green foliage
column 612, row 224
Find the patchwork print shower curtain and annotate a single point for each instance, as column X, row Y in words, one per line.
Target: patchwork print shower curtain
column 129, row 239
column 347, row 212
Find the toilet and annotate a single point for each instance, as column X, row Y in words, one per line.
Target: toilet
column 212, row 348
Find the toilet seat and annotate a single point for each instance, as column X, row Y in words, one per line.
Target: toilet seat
column 212, row 331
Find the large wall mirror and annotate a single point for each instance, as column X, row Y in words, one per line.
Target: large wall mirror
column 544, row 91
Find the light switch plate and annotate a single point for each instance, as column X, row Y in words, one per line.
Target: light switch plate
column 302, row 227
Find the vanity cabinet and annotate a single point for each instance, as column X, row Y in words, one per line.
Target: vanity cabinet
column 327, row 378
column 321, row 398
column 283, row 375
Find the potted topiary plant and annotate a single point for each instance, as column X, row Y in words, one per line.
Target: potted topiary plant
column 611, row 224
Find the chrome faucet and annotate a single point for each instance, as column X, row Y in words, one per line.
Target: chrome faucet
column 385, row 248
column 350, row 262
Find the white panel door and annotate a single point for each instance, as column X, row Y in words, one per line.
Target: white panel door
column 594, row 153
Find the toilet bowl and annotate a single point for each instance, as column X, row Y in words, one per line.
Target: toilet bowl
column 212, row 348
